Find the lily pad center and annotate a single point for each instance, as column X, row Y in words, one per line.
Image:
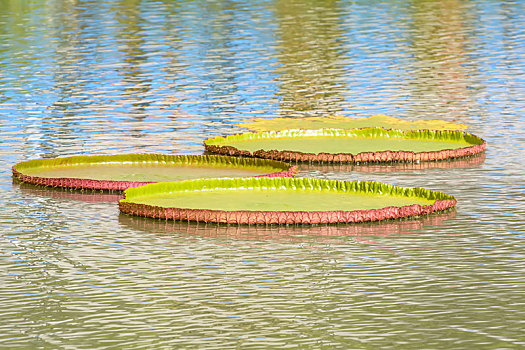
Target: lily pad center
column 278, row 200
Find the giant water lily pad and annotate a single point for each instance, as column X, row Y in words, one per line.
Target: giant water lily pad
column 350, row 146
column 338, row 122
column 280, row 201
column 118, row 172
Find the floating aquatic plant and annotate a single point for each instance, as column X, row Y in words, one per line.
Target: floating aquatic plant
column 349, row 146
column 118, row 172
column 281, row 201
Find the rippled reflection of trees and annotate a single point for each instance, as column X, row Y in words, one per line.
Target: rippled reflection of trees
column 439, row 37
column 310, row 57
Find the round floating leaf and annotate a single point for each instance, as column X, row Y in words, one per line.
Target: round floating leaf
column 349, row 146
column 334, row 122
column 280, row 200
column 118, row 172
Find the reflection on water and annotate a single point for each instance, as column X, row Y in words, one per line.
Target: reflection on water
column 462, row 163
column 285, row 233
column 310, row 57
column 69, row 194
column 144, row 76
column 442, row 71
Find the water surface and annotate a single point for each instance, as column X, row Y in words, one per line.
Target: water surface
column 132, row 76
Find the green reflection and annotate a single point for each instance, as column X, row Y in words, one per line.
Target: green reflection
column 439, row 38
column 310, row 57
column 15, row 37
column 131, row 43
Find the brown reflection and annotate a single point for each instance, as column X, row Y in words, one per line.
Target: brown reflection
column 286, row 233
column 462, row 163
column 68, row 194
column 441, row 73
column 310, row 57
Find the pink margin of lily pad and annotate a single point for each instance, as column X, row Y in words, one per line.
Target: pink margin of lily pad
column 283, row 217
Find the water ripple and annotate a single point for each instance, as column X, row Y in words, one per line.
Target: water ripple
column 86, row 77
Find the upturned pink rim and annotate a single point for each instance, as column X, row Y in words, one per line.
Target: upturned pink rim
column 283, row 217
column 78, row 184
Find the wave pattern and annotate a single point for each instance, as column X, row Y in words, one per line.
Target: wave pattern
column 92, row 77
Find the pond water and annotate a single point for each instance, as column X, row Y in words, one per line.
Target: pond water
column 128, row 76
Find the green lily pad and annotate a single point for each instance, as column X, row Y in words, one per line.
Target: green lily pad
column 280, row 201
column 338, row 122
column 350, row 146
column 118, row 172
